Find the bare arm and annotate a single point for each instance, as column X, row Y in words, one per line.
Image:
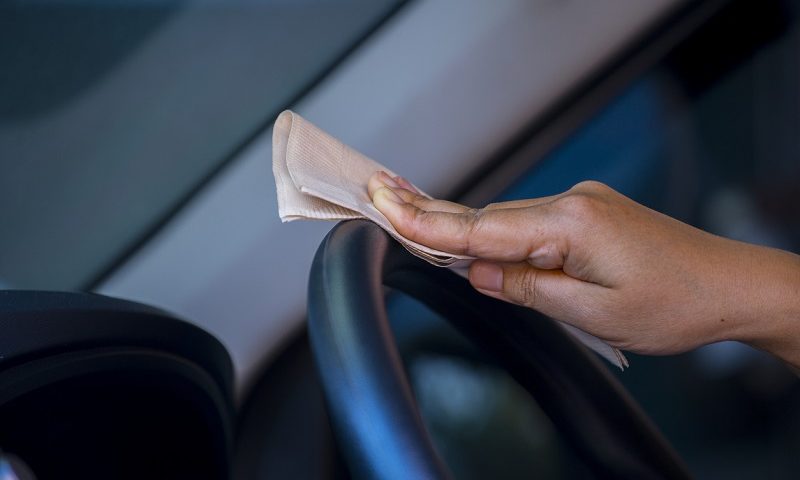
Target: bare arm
column 591, row 257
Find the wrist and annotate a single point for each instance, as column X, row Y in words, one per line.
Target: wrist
column 767, row 302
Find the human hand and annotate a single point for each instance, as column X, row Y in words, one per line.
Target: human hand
column 593, row 258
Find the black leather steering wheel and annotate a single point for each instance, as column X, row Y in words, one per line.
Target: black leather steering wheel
column 371, row 404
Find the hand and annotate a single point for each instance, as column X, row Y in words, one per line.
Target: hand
column 593, row 258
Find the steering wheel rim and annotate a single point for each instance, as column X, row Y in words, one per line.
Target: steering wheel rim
column 372, row 407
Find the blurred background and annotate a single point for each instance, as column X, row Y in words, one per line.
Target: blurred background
column 135, row 161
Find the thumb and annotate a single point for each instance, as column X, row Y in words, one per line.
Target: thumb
column 551, row 292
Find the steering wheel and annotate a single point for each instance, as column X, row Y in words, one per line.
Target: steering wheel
column 372, row 407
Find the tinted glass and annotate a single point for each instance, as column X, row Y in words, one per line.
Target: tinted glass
column 710, row 136
column 112, row 111
column 713, row 142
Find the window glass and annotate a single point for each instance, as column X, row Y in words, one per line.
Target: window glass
column 112, row 111
column 717, row 148
column 709, row 136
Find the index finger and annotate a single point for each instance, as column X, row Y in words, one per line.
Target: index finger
column 509, row 235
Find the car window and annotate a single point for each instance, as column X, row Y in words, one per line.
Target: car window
column 708, row 135
column 113, row 112
column 722, row 160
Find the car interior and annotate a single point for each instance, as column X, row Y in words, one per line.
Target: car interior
column 157, row 320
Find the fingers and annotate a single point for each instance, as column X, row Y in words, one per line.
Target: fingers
column 508, row 231
column 551, row 292
column 504, row 235
column 405, row 184
column 408, row 193
column 528, row 202
column 382, row 179
column 379, row 180
column 429, row 204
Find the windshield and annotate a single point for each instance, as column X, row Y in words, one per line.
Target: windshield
column 113, row 112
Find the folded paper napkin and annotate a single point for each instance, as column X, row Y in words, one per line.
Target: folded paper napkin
column 317, row 177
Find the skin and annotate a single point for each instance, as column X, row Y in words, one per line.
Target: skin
column 591, row 257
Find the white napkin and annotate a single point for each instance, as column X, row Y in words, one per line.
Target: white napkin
column 317, row 177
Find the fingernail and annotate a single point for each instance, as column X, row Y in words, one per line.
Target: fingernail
column 388, row 194
column 486, row 276
column 387, row 180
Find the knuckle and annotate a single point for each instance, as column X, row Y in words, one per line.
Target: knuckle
column 473, row 224
column 417, row 199
column 578, row 205
column 414, row 223
column 591, row 186
column 423, row 222
column 525, row 287
column 410, row 197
